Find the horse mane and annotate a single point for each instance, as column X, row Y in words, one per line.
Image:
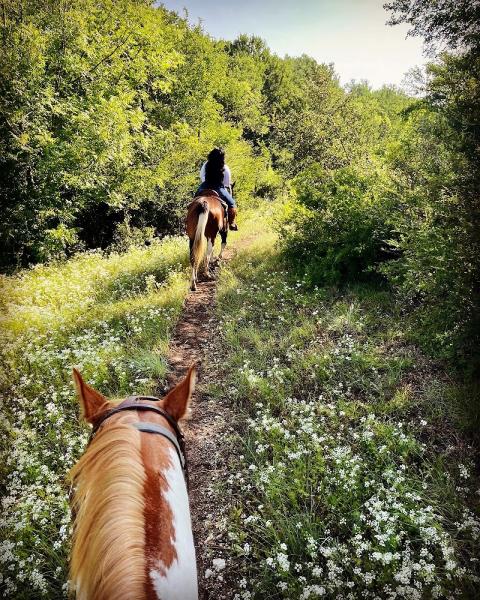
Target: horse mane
column 108, row 553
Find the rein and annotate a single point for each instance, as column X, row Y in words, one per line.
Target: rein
column 132, row 403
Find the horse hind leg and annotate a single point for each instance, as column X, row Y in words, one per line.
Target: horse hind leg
column 223, row 235
column 193, row 280
column 209, row 258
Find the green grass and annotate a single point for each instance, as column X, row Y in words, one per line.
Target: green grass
column 111, row 316
column 354, row 474
column 355, row 478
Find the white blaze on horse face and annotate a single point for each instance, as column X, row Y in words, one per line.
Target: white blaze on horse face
column 179, row 581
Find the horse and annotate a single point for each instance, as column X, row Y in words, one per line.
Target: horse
column 206, row 218
column 132, row 533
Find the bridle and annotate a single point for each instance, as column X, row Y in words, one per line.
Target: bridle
column 132, row 403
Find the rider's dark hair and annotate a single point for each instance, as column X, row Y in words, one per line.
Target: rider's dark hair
column 215, row 167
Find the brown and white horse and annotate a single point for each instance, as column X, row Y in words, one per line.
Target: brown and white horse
column 132, row 535
column 205, row 218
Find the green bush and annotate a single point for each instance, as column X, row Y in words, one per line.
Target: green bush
column 335, row 228
column 107, row 111
column 436, row 234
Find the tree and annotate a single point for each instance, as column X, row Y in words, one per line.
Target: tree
column 455, row 23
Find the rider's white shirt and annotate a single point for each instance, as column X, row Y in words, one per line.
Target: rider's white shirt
column 227, row 175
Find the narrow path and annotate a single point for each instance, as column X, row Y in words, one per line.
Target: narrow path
column 192, row 341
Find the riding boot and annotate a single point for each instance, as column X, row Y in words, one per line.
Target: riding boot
column 232, row 214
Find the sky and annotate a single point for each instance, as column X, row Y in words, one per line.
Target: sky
column 349, row 33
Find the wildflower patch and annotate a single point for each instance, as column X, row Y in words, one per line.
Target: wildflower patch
column 349, row 481
column 109, row 316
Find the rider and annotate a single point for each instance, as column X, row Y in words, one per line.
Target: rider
column 216, row 175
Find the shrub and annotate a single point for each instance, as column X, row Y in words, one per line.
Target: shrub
column 436, row 233
column 435, row 276
column 335, row 228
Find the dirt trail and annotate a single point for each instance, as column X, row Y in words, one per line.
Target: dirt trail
column 193, row 341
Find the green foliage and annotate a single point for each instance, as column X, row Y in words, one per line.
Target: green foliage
column 319, row 126
column 111, row 317
column 454, row 22
column 337, row 227
column 436, row 162
column 409, row 206
column 435, row 236
column 107, row 111
column 341, row 221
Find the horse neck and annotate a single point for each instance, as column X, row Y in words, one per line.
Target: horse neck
column 170, row 552
column 132, row 528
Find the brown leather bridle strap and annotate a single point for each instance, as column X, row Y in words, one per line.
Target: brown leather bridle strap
column 149, row 427
column 132, row 403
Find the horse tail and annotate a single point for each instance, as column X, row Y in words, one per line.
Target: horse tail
column 199, row 247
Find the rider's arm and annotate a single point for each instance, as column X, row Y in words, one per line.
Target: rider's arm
column 228, row 179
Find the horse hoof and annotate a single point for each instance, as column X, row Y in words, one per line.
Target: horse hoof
column 193, row 287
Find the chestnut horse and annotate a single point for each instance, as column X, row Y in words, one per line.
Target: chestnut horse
column 205, row 218
column 132, row 534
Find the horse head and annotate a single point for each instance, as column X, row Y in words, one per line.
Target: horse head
column 94, row 405
column 132, row 530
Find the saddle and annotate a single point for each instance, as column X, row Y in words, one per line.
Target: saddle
column 209, row 193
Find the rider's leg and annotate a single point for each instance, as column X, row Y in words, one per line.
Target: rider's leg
column 232, row 209
column 226, row 196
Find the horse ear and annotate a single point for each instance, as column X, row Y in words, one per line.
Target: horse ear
column 176, row 401
column 91, row 401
